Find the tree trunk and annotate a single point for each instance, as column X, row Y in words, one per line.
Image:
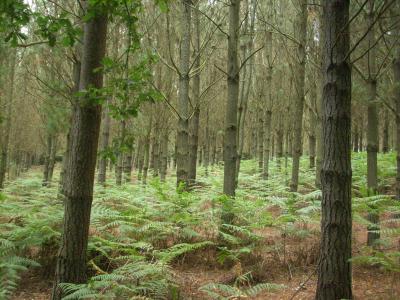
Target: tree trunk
column 128, row 166
column 355, row 139
column 7, row 122
column 372, row 127
column 385, row 135
column 279, row 146
column 182, row 153
column 207, row 142
column 105, row 138
column 396, row 71
column 300, row 64
column 156, row 155
column 246, row 86
column 334, row 277
column 121, row 151
column 230, row 138
column 312, row 140
column 267, row 140
column 52, row 160
column 76, row 69
column 194, row 122
column 140, row 159
column 164, row 155
column 260, row 137
column 146, row 147
column 49, row 142
column 71, row 261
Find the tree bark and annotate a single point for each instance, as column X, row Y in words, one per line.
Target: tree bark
column 164, row 155
column 182, row 153
column 105, row 139
column 194, row 122
column 71, row 260
column 385, row 135
column 312, row 140
column 230, row 138
column 260, row 137
column 300, row 64
column 7, row 122
column 146, row 147
column 267, row 142
column 396, row 71
column 140, row 158
column 372, row 126
column 120, row 156
column 334, row 277
column 355, row 139
column 52, row 160
column 49, row 141
column 128, row 166
column 247, row 80
column 76, row 70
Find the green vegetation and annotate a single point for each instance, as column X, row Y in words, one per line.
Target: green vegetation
column 140, row 234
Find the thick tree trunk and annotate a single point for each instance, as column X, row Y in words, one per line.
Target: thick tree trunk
column 334, row 277
column 7, row 122
column 182, row 153
column 300, row 67
column 71, row 261
column 231, row 119
column 76, row 69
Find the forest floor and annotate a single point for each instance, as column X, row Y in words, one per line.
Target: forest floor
column 272, row 253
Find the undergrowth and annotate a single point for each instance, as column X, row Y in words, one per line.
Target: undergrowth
column 139, row 234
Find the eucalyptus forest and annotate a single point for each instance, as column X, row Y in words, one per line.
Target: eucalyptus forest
column 199, row 149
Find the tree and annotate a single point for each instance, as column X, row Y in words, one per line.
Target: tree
column 6, row 127
column 182, row 140
column 194, row 121
column 71, row 261
column 334, row 276
column 299, row 77
column 396, row 71
column 230, row 138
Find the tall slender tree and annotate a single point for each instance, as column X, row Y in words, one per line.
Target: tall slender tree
column 230, row 138
column 6, row 128
column 182, row 138
column 299, row 79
